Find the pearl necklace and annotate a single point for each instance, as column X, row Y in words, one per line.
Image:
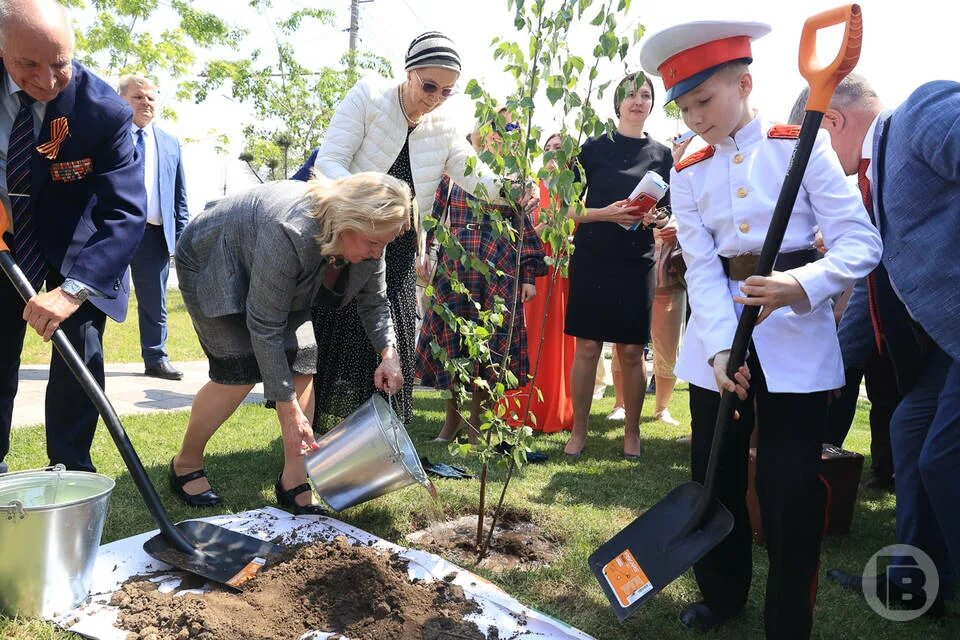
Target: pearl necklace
column 403, row 108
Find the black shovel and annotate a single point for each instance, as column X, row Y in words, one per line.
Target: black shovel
column 210, row 551
column 660, row 545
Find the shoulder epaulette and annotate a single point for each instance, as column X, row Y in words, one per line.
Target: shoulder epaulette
column 694, row 158
column 784, row 131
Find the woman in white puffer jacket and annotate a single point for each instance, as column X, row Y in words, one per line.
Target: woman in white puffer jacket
column 395, row 129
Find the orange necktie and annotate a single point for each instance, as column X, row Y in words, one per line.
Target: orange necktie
column 864, row 185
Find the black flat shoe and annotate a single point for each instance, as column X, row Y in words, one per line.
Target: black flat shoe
column 206, row 499
column 701, row 617
column 286, row 498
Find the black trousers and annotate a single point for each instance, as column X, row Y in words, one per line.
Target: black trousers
column 71, row 419
column 792, row 502
column 881, row 382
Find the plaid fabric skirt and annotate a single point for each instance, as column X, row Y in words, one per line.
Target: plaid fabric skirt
column 435, row 330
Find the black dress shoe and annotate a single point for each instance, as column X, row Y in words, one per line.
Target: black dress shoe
column 163, row 370
column 206, row 499
column 701, row 617
column 287, row 498
column 884, row 589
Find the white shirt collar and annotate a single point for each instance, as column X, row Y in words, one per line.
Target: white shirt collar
column 13, row 88
column 866, row 151
column 747, row 135
column 147, row 130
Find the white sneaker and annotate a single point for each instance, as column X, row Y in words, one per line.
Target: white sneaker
column 665, row 417
column 618, row 413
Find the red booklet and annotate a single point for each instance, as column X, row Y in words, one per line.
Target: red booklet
column 641, row 204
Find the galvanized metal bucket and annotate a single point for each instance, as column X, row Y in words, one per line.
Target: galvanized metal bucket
column 365, row 456
column 50, row 526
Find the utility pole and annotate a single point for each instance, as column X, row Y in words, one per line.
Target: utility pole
column 354, row 37
column 354, row 24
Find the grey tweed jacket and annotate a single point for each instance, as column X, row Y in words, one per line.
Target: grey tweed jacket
column 256, row 255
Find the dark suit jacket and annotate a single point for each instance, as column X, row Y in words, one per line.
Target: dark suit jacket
column 173, row 187
column 90, row 227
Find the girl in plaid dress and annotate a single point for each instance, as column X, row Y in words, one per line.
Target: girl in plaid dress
column 473, row 229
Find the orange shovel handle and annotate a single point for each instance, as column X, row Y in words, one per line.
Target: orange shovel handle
column 823, row 80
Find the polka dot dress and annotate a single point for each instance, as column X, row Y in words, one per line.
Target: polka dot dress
column 346, row 360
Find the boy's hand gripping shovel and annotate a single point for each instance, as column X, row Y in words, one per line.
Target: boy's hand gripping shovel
column 660, row 545
column 210, row 551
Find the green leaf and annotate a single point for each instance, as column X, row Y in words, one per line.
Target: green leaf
column 554, row 94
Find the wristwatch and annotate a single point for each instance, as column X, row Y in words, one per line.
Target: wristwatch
column 75, row 290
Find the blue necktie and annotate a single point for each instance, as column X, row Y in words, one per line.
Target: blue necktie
column 19, row 159
column 141, row 150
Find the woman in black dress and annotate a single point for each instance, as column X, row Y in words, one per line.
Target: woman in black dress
column 611, row 269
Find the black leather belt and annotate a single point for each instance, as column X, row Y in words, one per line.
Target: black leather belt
column 743, row 266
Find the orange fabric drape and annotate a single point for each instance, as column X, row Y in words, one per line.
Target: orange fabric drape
column 555, row 412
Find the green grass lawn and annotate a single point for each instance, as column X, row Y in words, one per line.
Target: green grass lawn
column 121, row 340
column 582, row 504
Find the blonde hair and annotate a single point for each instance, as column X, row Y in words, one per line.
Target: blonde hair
column 369, row 203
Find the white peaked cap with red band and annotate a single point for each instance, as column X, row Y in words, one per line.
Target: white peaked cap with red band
column 685, row 55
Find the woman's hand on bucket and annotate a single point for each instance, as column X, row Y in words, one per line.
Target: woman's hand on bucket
column 295, row 428
column 388, row 376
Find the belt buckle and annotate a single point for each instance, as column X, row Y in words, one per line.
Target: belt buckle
column 471, row 226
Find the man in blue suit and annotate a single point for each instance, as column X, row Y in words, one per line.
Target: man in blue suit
column 909, row 166
column 167, row 215
column 71, row 181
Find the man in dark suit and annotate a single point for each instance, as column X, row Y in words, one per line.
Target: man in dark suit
column 74, row 191
column 908, row 162
column 167, row 215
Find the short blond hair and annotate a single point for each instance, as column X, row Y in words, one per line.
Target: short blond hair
column 141, row 81
column 369, row 203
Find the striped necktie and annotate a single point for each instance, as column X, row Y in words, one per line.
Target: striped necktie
column 19, row 158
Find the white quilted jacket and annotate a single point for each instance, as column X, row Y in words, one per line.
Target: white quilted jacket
column 367, row 133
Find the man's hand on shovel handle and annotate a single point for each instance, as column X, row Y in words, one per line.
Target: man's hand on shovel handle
column 46, row 311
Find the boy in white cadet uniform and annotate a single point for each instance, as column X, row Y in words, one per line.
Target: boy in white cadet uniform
column 723, row 198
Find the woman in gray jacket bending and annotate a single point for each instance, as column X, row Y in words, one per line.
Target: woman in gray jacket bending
column 249, row 269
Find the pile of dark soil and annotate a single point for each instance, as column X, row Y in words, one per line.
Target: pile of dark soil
column 360, row 592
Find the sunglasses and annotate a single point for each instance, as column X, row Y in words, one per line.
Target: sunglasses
column 430, row 87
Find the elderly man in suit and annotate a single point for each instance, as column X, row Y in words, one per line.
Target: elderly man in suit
column 167, row 215
column 908, row 165
column 71, row 180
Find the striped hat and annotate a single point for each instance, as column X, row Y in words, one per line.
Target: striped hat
column 432, row 49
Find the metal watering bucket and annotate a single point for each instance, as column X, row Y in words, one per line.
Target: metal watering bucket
column 365, row 456
column 50, row 526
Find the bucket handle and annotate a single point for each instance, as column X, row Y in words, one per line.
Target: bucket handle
column 14, row 510
column 398, row 450
column 57, row 467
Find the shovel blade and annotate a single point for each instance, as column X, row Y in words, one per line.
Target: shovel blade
column 649, row 554
column 221, row 555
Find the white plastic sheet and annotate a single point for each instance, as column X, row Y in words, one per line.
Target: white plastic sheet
column 119, row 561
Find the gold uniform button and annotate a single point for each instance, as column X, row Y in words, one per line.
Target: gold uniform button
column 742, row 192
column 737, row 159
column 744, row 227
